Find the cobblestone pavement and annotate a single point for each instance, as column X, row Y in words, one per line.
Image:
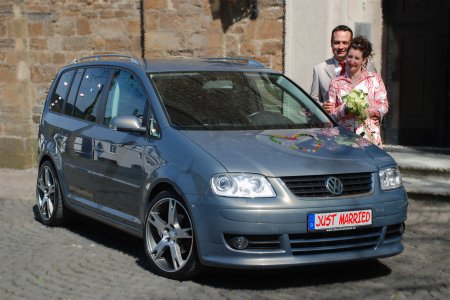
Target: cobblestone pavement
column 88, row 260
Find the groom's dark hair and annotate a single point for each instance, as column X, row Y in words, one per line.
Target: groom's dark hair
column 341, row 28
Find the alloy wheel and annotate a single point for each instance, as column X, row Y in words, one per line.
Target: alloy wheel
column 47, row 192
column 169, row 235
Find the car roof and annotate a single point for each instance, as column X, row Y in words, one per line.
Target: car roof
column 217, row 64
column 204, row 64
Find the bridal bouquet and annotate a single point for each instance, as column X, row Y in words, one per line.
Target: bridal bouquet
column 357, row 104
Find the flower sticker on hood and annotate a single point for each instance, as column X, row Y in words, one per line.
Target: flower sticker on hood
column 301, row 141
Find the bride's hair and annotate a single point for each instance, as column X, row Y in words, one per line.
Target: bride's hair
column 362, row 44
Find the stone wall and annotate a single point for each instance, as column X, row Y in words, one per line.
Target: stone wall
column 38, row 37
column 215, row 28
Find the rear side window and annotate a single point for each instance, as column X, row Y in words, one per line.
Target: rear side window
column 60, row 95
column 73, row 92
column 88, row 99
column 126, row 97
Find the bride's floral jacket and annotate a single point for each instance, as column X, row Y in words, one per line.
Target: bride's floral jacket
column 370, row 83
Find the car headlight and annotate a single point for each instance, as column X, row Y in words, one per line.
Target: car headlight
column 390, row 178
column 242, row 185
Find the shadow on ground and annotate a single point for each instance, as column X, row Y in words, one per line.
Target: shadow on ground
column 232, row 279
column 293, row 277
column 103, row 234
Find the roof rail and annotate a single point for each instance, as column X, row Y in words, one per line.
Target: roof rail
column 98, row 57
column 240, row 60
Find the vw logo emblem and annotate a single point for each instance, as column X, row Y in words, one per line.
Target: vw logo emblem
column 334, row 185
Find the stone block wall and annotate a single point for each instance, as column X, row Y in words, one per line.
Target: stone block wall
column 215, row 28
column 37, row 37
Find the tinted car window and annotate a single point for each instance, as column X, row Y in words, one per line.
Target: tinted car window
column 73, row 92
column 87, row 101
column 60, row 94
column 126, row 97
column 236, row 100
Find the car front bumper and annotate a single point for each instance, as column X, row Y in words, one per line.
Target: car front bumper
column 282, row 238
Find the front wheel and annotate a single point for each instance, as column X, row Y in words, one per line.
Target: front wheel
column 169, row 238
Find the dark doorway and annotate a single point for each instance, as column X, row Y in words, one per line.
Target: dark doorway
column 416, row 67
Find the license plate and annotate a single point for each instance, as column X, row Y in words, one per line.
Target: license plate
column 339, row 220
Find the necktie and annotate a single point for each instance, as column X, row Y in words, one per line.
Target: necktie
column 342, row 64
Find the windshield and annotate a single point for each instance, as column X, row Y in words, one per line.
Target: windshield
column 236, row 101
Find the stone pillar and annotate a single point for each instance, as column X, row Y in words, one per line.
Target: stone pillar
column 17, row 148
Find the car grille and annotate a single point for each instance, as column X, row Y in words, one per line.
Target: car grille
column 322, row 242
column 314, row 186
column 335, row 241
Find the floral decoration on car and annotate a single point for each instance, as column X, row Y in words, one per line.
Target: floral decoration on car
column 284, row 140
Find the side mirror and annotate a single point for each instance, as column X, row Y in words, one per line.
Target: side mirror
column 127, row 123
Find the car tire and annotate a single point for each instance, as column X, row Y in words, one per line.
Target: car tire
column 50, row 204
column 169, row 239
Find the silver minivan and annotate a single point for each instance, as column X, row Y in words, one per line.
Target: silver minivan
column 213, row 162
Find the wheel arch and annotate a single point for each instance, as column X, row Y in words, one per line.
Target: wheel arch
column 164, row 186
column 44, row 158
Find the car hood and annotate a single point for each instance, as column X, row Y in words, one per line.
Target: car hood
column 293, row 152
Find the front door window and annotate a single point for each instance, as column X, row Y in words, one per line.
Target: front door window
column 126, row 97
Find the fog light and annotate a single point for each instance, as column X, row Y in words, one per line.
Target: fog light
column 402, row 228
column 238, row 242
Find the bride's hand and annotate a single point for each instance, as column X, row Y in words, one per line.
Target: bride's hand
column 328, row 106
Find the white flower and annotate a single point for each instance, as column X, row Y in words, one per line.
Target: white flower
column 357, row 104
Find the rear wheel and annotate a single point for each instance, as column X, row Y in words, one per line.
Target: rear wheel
column 169, row 238
column 49, row 197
